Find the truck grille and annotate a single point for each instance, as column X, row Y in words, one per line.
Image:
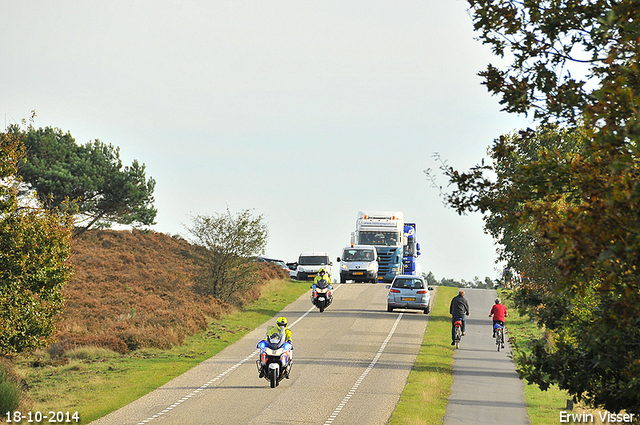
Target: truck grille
column 384, row 263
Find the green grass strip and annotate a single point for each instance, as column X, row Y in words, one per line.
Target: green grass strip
column 425, row 396
column 424, row 399
column 543, row 407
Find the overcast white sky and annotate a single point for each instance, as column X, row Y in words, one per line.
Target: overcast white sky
column 304, row 111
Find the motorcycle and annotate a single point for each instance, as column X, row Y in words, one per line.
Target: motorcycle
column 276, row 359
column 321, row 295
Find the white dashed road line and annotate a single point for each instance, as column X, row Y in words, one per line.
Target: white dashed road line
column 353, row 390
column 217, row 378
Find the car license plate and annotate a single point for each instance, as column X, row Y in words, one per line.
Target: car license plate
column 408, row 298
column 357, row 273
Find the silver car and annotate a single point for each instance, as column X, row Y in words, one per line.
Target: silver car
column 409, row 291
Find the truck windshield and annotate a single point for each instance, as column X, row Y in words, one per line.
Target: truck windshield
column 379, row 238
column 410, row 250
column 313, row 260
column 357, row 255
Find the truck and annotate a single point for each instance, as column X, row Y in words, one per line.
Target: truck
column 411, row 251
column 359, row 263
column 385, row 231
column 309, row 263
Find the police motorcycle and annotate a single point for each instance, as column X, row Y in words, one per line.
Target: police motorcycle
column 275, row 360
column 321, row 295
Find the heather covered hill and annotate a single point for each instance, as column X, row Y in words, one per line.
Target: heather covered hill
column 134, row 289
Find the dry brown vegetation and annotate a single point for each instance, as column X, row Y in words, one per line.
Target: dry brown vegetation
column 134, row 289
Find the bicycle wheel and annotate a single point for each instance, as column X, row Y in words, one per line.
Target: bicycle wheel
column 498, row 338
column 458, row 336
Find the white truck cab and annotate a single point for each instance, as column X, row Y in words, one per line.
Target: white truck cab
column 385, row 231
column 309, row 263
column 359, row 263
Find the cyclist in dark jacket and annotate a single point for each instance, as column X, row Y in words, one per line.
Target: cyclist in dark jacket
column 459, row 309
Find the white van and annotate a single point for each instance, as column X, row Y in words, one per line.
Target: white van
column 359, row 263
column 310, row 262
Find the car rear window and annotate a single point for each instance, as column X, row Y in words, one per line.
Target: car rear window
column 408, row 283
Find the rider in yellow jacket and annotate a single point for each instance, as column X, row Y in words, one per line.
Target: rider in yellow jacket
column 282, row 324
column 322, row 274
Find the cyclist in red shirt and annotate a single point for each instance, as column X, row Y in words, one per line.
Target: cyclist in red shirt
column 499, row 312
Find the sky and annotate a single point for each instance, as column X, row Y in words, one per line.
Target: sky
column 304, row 112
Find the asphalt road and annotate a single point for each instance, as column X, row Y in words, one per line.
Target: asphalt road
column 486, row 389
column 350, row 366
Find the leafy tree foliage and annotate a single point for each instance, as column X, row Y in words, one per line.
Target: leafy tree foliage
column 88, row 181
column 34, row 253
column 476, row 283
column 564, row 202
column 490, row 284
column 548, row 39
column 230, row 243
column 429, row 278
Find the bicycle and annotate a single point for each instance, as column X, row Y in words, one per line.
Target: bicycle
column 458, row 334
column 498, row 331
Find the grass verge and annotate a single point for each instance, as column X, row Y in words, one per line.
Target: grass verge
column 543, row 407
column 10, row 393
column 425, row 396
column 424, row 399
column 95, row 382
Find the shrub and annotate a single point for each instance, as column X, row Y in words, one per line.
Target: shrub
column 90, row 353
column 10, row 391
column 227, row 243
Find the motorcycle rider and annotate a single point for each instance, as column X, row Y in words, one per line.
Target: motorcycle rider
column 322, row 275
column 281, row 323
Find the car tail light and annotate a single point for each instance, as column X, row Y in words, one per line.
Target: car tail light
column 395, row 291
column 421, row 292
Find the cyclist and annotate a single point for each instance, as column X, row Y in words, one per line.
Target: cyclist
column 459, row 308
column 498, row 312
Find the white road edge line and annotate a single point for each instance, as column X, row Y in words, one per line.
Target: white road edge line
column 344, row 401
column 223, row 374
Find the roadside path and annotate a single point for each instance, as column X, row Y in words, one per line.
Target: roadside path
column 486, row 389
